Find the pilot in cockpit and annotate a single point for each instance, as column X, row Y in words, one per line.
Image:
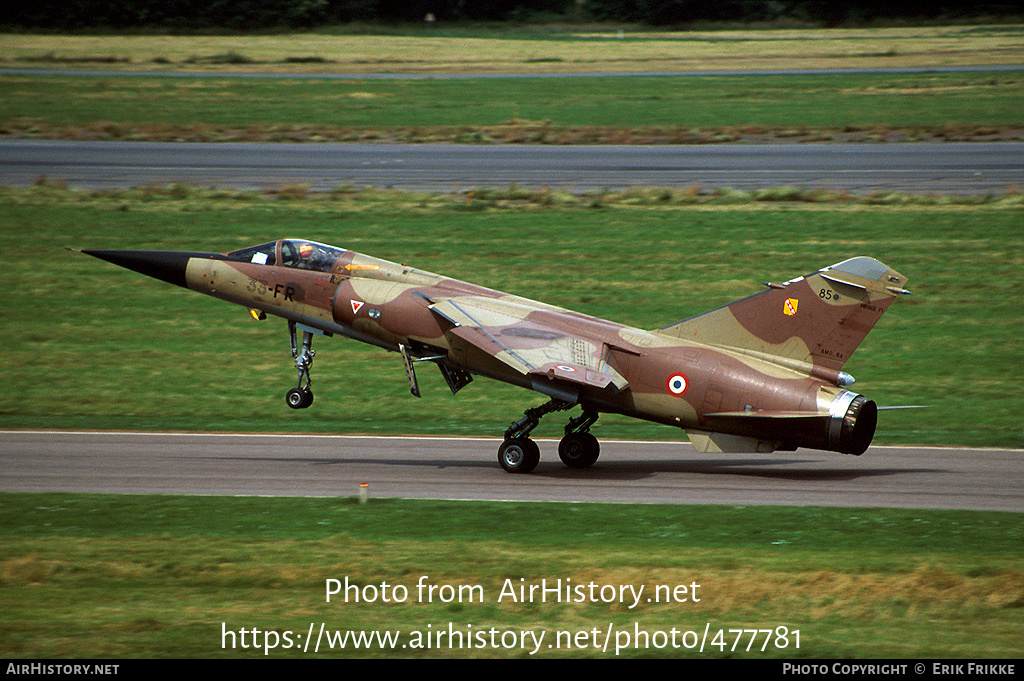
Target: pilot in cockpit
column 310, row 257
column 314, row 256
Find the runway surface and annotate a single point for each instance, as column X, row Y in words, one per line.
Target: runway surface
column 912, row 167
column 466, row 468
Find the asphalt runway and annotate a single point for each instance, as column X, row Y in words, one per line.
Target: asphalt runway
column 466, row 468
column 968, row 168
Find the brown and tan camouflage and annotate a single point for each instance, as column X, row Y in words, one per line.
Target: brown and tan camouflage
column 761, row 374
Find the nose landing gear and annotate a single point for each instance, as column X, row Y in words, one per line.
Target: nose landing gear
column 301, row 396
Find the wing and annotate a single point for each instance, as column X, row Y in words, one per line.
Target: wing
column 508, row 331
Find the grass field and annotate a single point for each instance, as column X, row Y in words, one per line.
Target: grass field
column 122, row 577
column 594, row 110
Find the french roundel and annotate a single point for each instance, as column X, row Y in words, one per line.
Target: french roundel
column 677, row 384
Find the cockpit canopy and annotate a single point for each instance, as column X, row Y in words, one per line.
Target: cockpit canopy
column 298, row 253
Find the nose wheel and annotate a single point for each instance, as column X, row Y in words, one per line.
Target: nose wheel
column 297, row 398
column 301, row 396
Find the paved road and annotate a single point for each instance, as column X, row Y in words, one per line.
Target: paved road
column 466, row 468
column 920, row 167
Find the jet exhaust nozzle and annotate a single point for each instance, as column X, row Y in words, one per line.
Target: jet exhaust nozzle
column 853, row 428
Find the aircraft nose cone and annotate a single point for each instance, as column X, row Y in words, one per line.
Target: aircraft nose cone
column 167, row 266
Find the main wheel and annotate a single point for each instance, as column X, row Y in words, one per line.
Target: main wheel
column 579, row 450
column 298, row 399
column 519, row 455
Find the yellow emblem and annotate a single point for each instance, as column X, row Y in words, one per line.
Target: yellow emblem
column 790, row 307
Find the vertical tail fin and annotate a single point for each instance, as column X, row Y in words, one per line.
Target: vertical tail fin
column 819, row 319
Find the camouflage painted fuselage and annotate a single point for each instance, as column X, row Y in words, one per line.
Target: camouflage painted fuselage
column 757, row 375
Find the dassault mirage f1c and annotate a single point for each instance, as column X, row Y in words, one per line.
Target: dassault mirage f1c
column 761, row 374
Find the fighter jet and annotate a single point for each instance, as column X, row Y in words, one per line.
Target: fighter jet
column 761, row 374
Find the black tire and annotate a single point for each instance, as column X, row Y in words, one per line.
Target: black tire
column 579, row 450
column 519, row 455
column 298, row 399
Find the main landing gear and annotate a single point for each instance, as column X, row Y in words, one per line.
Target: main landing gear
column 578, row 449
column 301, row 396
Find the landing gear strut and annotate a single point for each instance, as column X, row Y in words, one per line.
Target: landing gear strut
column 301, row 396
column 578, row 449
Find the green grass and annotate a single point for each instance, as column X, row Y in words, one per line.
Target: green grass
column 88, row 345
column 560, row 110
column 874, row 532
column 120, row 576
